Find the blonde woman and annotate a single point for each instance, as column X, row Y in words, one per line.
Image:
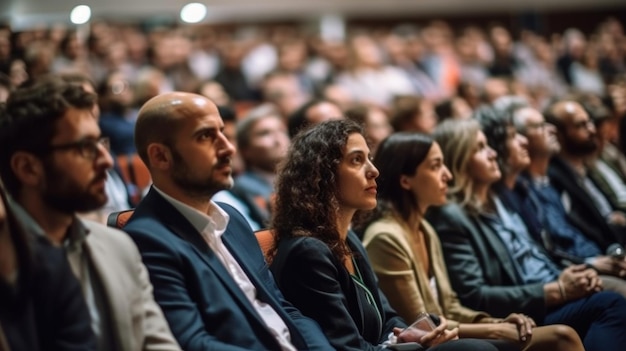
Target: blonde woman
column 495, row 267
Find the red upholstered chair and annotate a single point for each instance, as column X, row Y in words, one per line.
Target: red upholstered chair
column 134, row 171
column 118, row 219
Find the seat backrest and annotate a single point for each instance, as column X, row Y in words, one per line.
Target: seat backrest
column 134, row 171
column 118, row 219
column 265, row 237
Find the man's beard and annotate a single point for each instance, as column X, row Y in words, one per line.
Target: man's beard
column 204, row 187
column 580, row 148
column 62, row 195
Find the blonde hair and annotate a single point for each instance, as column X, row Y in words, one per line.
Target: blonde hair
column 457, row 139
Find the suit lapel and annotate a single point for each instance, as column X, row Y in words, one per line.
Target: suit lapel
column 113, row 292
column 242, row 257
column 180, row 226
column 495, row 242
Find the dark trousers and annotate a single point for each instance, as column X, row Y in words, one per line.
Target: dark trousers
column 599, row 319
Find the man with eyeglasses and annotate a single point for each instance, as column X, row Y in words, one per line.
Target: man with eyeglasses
column 587, row 206
column 54, row 163
column 544, row 213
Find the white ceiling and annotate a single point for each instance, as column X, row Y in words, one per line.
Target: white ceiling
column 27, row 12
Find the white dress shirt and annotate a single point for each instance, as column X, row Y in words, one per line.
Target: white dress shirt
column 212, row 226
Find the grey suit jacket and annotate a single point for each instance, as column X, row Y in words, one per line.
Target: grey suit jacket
column 138, row 321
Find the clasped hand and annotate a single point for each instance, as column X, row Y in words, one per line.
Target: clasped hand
column 437, row 336
column 580, row 281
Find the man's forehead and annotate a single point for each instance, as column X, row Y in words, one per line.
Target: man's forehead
column 75, row 121
column 570, row 107
column 571, row 111
column 532, row 115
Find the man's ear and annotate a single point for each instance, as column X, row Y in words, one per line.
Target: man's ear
column 28, row 168
column 159, row 156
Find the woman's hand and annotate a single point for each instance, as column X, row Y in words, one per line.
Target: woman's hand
column 440, row 334
column 523, row 323
column 434, row 337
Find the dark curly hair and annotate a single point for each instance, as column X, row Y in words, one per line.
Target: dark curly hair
column 306, row 189
column 27, row 120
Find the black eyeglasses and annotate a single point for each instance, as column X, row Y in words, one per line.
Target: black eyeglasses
column 88, row 148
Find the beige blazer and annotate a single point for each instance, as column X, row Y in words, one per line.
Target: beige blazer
column 137, row 320
column 393, row 254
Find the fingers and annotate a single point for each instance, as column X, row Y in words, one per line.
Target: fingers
column 430, row 337
column 620, row 268
column 433, row 338
column 450, row 334
column 576, row 268
column 524, row 327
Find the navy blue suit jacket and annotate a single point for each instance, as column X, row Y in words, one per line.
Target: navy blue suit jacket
column 203, row 304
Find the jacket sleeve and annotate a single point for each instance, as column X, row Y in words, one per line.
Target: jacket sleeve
column 158, row 336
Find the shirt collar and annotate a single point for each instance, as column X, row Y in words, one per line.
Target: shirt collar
column 75, row 235
column 215, row 221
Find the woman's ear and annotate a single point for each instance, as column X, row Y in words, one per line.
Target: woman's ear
column 405, row 182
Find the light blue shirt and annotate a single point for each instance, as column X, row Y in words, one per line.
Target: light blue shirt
column 531, row 264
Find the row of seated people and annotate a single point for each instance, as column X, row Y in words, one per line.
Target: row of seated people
column 403, row 279
column 207, row 275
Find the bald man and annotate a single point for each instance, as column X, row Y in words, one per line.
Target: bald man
column 587, row 207
column 208, row 272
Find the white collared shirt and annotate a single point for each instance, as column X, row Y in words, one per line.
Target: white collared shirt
column 212, row 226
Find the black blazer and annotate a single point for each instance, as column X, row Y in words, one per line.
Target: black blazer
column 46, row 309
column 322, row 288
column 583, row 213
column 480, row 269
column 203, row 304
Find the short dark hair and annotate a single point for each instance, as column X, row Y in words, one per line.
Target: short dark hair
column 298, row 120
column 27, row 120
column 405, row 109
column 249, row 121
